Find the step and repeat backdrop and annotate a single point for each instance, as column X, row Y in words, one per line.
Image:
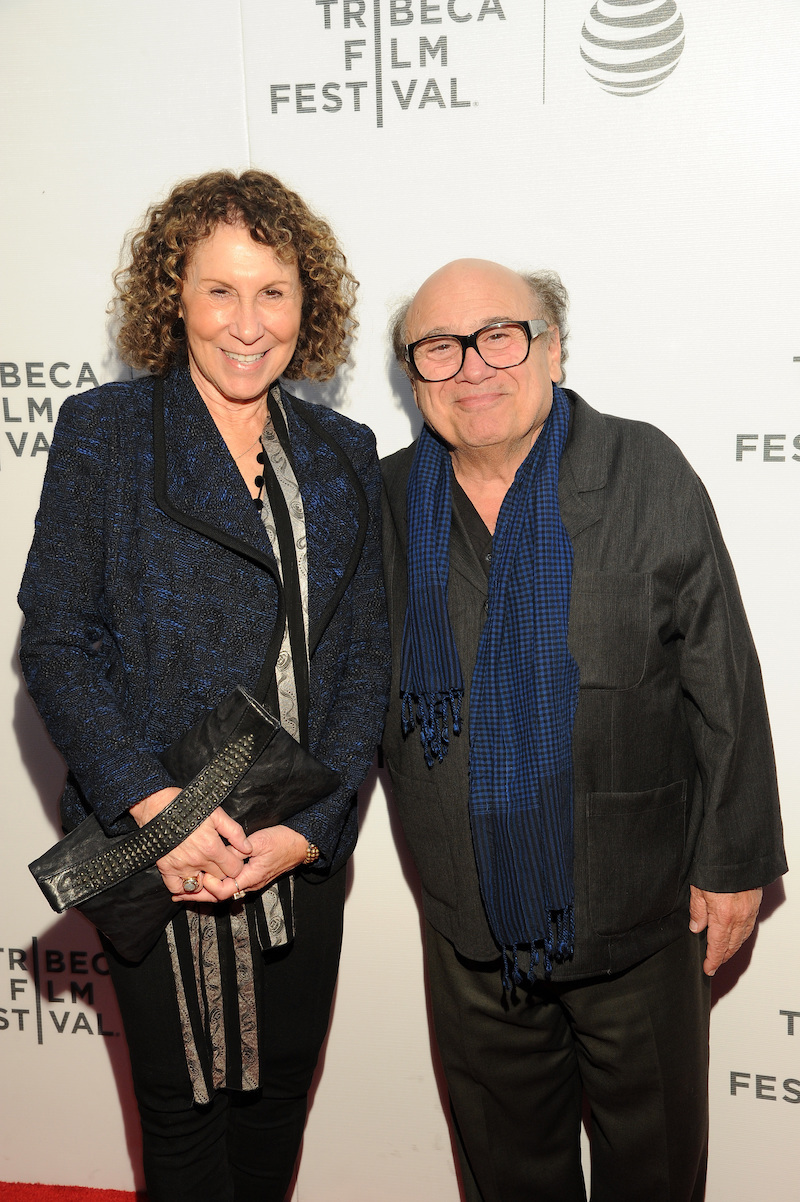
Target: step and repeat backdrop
column 660, row 179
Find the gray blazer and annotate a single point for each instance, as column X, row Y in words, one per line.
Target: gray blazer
column 674, row 771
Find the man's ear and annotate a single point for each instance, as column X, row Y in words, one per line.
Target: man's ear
column 554, row 354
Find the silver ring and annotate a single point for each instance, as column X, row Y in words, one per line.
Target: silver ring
column 240, row 893
column 191, row 884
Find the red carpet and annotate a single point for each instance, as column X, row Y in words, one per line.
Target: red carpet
column 11, row 1191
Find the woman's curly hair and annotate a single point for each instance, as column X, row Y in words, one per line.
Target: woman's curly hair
column 151, row 334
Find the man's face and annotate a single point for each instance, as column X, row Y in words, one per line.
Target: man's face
column 482, row 406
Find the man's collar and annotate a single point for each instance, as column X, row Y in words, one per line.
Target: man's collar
column 586, row 452
column 584, row 466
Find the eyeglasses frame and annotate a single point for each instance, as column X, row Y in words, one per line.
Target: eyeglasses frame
column 532, row 327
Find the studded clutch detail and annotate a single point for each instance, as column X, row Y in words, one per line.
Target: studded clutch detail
column 239, row 757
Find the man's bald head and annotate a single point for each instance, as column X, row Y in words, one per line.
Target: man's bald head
column 542, row 292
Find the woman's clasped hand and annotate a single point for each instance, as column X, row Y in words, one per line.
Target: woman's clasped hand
column 220, row 856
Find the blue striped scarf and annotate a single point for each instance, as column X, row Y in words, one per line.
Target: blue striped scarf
column 524, row 690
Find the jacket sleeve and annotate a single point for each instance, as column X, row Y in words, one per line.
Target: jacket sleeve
column 740, row 844
column 71, row 662
column 349, row 737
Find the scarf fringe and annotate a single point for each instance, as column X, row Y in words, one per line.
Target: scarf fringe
column 553, row 950
column 430, row 711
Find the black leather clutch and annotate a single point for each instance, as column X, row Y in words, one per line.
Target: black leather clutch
column 237, row 756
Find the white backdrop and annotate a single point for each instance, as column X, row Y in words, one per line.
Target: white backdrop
column 669, row 212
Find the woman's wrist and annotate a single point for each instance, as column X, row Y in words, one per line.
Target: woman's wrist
column 146, row 809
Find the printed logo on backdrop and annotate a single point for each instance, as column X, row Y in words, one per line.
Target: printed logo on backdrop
column 773, row 1086
column 631, row 47
column 769, row 448
column 391, row 56
column 31, row 395
column 49, row 993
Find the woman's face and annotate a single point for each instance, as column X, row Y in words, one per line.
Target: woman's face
column 241, row 307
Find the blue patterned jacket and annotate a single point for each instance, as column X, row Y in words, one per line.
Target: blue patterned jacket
column 138, row 620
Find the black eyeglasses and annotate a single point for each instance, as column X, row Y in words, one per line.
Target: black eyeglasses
column 501, row 344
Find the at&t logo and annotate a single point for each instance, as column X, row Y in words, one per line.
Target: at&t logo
column 631, row 46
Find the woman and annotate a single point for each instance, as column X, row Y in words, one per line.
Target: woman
column 152, row 589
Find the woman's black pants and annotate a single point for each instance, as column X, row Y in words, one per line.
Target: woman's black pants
column 241, row 1147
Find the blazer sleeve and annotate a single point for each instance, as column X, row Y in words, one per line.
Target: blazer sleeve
column 349, row 737
column 740, row 843
column 68, row 652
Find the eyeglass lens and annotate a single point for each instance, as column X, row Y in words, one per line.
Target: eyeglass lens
column 441, row 357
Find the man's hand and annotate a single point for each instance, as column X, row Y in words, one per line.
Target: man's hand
column 729, row 917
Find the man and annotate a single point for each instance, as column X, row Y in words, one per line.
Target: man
column 579, row 748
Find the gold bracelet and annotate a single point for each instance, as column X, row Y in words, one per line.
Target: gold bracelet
column 312, row 855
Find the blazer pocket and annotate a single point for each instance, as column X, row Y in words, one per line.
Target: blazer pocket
column 635, row 855
column 609, row 627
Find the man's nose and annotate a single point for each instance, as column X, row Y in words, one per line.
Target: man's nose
column 474, row 368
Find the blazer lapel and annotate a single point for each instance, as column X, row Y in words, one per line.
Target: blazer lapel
column 334, row 510
column 584, row 468
column 197, row 480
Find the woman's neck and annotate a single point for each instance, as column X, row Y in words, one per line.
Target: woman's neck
column 241, row 424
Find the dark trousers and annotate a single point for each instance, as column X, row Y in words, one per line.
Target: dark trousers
column 635, row 1044
column 241, row 1147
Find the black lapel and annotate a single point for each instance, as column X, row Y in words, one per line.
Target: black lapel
column 197, row 484
column 335, row 532
column 196, row 477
